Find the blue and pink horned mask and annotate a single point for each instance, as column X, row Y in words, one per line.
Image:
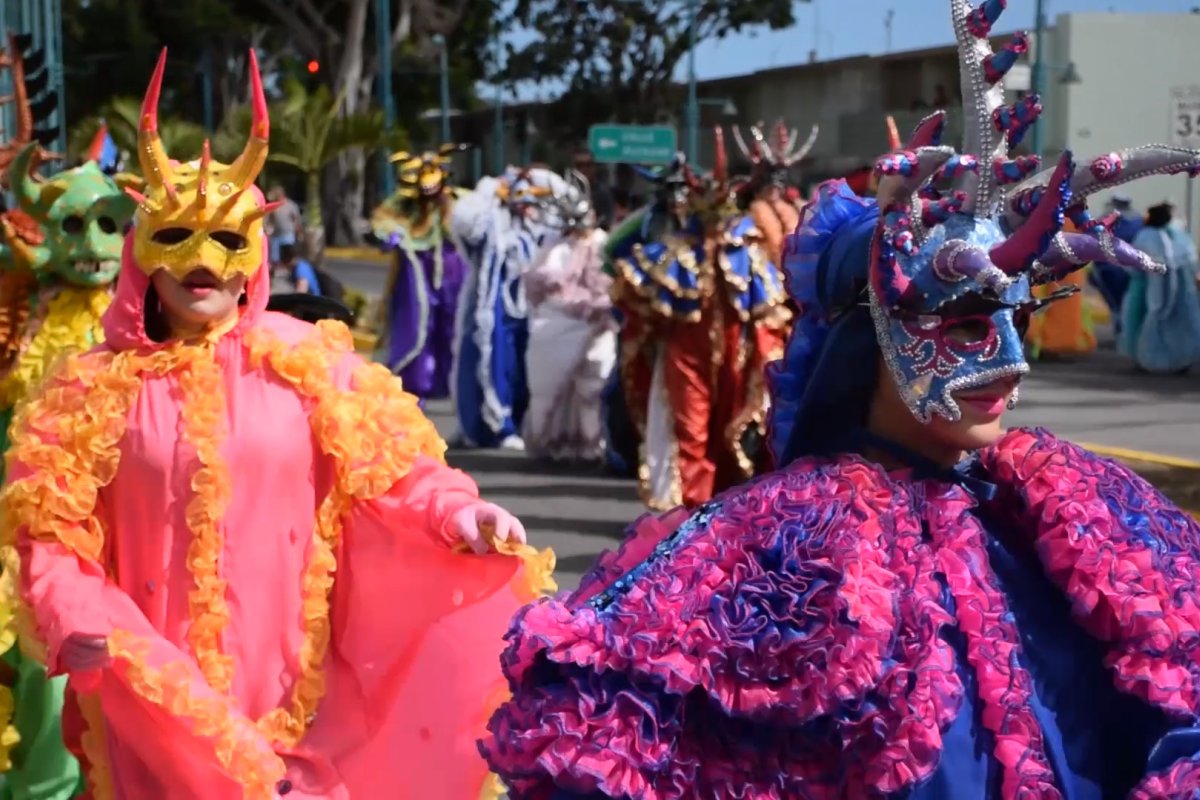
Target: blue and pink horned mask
column 963, row 236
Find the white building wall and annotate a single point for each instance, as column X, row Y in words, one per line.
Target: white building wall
column 1127, row 64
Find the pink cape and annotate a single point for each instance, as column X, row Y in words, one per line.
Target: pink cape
column 414, row 627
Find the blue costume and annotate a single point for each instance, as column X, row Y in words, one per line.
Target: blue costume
column 704, row 312
column 498, row 230
column 1160, row 327
column 1023, row 625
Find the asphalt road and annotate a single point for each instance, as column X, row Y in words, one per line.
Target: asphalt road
column 1099, row 400
column 365, row 276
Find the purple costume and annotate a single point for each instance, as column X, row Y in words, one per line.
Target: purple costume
column 416, row 338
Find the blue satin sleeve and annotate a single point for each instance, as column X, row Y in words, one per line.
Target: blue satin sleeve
column 1177, row 745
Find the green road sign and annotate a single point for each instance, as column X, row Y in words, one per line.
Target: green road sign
column 632, row 144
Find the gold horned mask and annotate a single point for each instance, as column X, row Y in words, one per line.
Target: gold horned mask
column 201, row 214
column 426, row 175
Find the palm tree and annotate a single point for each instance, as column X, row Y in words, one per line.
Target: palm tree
column 308, row 132
column 182, row 139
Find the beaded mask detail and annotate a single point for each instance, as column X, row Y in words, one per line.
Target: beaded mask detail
column 964, row 235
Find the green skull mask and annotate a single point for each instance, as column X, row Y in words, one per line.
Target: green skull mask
column 82, row 215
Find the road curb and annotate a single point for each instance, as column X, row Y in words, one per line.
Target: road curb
column 1125, row 454
column 369, row 255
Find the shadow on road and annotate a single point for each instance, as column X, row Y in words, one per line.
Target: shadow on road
column 608, row 490
column 575, row 565
column 605, row 528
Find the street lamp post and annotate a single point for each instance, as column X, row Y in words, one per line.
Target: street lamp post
column 693, row 106
column 383, row 32
column 207, row 87
column 1039, row 67
column 444, row 66
column 498, row 123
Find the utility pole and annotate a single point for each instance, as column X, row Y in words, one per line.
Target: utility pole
column 498, row 122
column 444, row 65
column 888, row 21
column 693, row 103
column 206, row 90
column 1039, row 68
column 383, row 41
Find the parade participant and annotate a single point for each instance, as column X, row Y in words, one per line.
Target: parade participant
column 704, row 313
column 501, row 234
column 917, row 604
column 416, row 331
column 239, row 541
column 572, row 334
column 60, row 257
column 1160, row 327
column 771, row 162
column 665, row 216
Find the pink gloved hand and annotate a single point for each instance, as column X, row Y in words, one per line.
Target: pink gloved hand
column 480, row 524
column 81, row 652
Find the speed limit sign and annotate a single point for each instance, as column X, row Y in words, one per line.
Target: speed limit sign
column 1185, row 116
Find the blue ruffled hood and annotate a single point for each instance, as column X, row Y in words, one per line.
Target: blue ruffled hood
column 821, row 386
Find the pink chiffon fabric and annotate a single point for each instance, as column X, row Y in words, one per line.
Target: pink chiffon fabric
column 415, row 626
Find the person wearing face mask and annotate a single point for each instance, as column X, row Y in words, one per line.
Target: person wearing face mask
column 239, row 541
column 765, row 194
column 1160, row 314
column 501, row 229
column 917, row 603
column 572, row 334
column 703, row 312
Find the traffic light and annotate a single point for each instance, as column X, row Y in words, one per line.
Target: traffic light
column 314, row 67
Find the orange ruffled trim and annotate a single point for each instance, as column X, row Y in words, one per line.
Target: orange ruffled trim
column 205, row 428
column 239, row 747
column 95, row 748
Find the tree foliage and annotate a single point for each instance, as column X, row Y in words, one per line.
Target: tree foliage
column 341, row 36
column 620, row 58
column 110, row 47
column 309, row 131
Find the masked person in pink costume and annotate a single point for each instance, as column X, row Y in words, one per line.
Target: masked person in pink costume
column 241, row 542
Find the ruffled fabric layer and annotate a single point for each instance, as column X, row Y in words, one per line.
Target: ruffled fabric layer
column 670, row 279
column 9, row 737
column 67, row 320
column 784, row 641
column 738, row 656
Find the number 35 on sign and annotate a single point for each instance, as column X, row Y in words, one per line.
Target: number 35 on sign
column 1185, row 116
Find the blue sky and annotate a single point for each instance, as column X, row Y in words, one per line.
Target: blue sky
column 853, row 27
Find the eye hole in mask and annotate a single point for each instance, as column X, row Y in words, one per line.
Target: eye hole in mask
column 72, row 224
column 229, row 240
column 967, row 331
column 107, row 224
column 170, row 236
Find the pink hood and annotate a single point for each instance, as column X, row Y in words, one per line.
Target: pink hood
column 125, row 321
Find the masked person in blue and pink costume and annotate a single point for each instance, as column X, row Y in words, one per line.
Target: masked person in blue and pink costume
column 917, row 604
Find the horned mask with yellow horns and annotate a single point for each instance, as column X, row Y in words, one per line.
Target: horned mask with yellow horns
column 202, row 214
